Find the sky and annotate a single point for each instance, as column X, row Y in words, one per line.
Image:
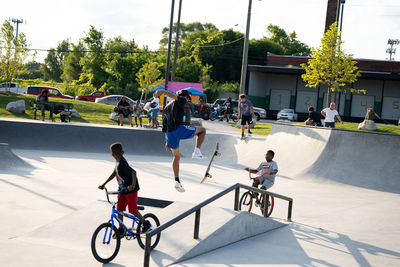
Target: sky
column 367, row 24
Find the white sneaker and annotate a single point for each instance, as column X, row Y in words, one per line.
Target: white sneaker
column 197, row 155
column 179, row 187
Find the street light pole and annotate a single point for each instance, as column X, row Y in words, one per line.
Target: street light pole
column 245, row 52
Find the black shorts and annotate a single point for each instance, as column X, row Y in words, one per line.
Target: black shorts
column 248, row 119
column 124, row 112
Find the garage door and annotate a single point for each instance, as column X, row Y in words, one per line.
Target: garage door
column 391, row 108
column 305, row 100
column 280, row 99
column 360, row 103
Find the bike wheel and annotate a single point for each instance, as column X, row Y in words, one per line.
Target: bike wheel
column 213, row 116
column 246, row 201
column 235, row 118
column 141, row 237
column 270, row 206
column 105, row 243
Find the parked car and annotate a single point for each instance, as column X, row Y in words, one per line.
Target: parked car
column 287, row 114
column 260, row 113
column 114, row 99
column 12, row 87
column 52, row 92
column 91, row 97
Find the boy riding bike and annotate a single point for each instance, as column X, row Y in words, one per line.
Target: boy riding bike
column 128, row 185
column 267, row 171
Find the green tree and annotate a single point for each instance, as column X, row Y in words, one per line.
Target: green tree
column 330, row 65
column 94, row 62
column 289, row 42
column 13, row 52
column 54, row 62
column 31, row 70
column 148, row 78
column 72, row 67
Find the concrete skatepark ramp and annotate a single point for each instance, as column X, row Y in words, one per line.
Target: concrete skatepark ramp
column 10, row 161
column 339, row 220
column 364, row 159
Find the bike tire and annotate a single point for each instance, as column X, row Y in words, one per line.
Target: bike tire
column 235, row 118
column 141, row 238
column 246, row 201
column 270, row 207
column 113, row 251
column 213, row 116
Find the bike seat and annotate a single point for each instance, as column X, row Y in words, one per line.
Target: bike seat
column 140, row 207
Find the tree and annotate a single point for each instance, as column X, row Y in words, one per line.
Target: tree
column 13, row 52
column 93, row 71
column 72, row 66
column 30, row 71
column 330, row 65
column 54, row 62
column 291, row 46
column 148, row 78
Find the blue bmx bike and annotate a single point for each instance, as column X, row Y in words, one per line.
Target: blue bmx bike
column 106, row 239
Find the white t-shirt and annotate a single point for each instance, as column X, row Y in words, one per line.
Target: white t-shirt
column 330, row 114
column 157, row 101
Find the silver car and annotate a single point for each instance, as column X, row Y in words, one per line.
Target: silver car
column 114, row 99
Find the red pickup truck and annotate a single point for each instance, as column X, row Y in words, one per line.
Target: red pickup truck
column 52, row 92
column 92, row 97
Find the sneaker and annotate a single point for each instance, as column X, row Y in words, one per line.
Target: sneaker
column 179, row 187
column 146, row 226
column 121, row 233
column 197, row 155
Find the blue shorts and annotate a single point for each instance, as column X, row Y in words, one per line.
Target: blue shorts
column 183, row 132
column 154, row 113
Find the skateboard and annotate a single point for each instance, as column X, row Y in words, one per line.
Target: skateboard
column 207, row 174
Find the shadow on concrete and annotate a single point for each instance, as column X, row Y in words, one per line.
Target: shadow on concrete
column 39, row 194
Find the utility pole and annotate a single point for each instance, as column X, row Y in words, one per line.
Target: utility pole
column 245, row 52
column 392, row 50
column 171, row 22
column 176, row 42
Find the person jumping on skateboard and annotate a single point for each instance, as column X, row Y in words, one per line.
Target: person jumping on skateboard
column 175, row 130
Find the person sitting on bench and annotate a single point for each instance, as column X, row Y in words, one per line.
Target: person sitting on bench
column 43, row 104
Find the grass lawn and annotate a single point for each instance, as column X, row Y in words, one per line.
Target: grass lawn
column 260, row 128
column 90, row 112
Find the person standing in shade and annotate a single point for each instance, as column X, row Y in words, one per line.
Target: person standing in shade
column 228, row 108
column 246, row 113
column 329, row 115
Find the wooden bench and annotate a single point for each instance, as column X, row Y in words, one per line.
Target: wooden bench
column 64, row 109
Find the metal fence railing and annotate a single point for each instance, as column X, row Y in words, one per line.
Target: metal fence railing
column 196, row 209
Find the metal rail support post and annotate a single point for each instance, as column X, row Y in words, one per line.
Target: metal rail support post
column 196, row 224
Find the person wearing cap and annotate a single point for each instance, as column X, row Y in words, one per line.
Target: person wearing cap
column 175, row 130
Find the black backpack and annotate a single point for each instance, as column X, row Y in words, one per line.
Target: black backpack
column 169, row 120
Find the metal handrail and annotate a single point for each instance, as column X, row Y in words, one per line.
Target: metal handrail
column 198, row 207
